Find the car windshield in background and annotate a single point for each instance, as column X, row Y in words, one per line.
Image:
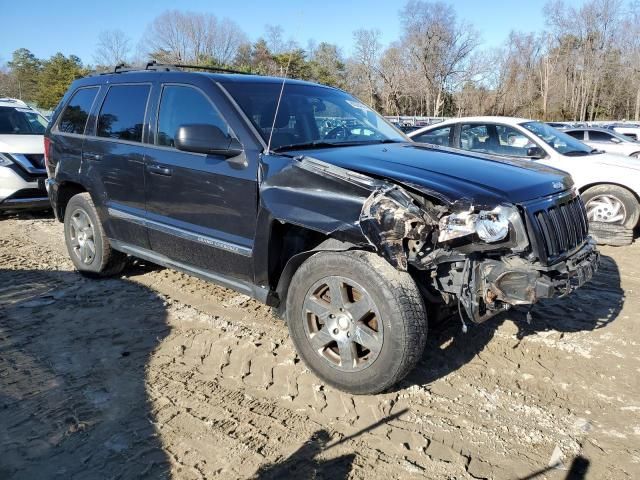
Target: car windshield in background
column 559, row 141
column 21, row 121
column 310, row 116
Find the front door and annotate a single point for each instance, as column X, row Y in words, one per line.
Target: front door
column 201, row 209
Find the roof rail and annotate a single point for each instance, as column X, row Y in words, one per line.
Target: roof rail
column 167, row 67
column 153, row 65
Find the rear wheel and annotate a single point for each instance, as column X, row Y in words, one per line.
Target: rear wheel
column 86, row 241
column 612, row 204
column 358, row 323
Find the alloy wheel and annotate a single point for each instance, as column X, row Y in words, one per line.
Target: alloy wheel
column 342, row 323
column 82, row 236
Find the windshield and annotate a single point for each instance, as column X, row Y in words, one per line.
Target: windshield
column 559, row 141
column 310, row 116
column 21, row 121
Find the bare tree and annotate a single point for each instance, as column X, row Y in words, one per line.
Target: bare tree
column 439, row 44
column 113, row 48
column 187, row 37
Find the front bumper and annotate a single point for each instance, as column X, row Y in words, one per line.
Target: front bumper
column 20, row 192
column 500, row 284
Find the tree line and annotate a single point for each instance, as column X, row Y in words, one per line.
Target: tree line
column 585, row 64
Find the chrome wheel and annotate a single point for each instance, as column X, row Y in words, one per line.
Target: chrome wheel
column 82, row 236
column 607, row 209
column 342, row 323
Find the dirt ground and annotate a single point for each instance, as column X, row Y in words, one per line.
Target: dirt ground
column 160, row 375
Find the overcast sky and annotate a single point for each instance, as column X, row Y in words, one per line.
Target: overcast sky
column 72, row 27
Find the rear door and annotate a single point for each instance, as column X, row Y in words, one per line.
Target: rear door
column 201, row 209
column 113, row 160
column 605, row 141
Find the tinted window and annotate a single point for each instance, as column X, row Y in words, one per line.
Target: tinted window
column 438, row 136
column 181, row 105
column 74, row 117
column 577, row 134
column 597, row 136
column 309, row 114
column 122, row 113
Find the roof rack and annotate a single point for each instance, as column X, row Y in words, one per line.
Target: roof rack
column 153, row 65
column 167, row 67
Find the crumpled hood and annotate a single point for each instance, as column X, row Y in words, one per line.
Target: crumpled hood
column 454, row 175
column 21, row 144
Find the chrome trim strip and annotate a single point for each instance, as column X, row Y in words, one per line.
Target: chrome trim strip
column 26, row 200
column 179, row 232
column 24, row 162
column 259, row 293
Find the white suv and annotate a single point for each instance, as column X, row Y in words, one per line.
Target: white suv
column 609, row 183
column 22, row 168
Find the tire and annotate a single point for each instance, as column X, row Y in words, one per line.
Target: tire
column 600, row 202
column 82, row 230
column 392, row 332
column 609, row 234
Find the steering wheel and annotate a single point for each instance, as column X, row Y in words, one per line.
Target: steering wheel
column 337, row 132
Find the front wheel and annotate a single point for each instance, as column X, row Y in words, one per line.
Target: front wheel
column 612, row 204
column 357, row 322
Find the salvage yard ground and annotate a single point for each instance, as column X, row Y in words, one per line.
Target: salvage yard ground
column 160, row 375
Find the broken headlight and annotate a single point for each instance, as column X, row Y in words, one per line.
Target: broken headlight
column 490, row 225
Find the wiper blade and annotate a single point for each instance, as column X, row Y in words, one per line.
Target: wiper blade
column 323, row 144
column 305, row 146
column 576, row 153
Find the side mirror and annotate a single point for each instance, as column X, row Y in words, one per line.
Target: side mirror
column 536, row 153
column 615, row 140
column 209, row 139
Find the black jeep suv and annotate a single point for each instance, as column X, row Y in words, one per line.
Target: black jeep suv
column 304, row 198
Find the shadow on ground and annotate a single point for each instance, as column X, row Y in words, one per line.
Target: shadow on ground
column 306, row 462
column 73, row 353
column 591, row 307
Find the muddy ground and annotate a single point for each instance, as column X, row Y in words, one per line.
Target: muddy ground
column 160, row 375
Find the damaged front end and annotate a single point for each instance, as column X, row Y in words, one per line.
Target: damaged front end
column 482, row 259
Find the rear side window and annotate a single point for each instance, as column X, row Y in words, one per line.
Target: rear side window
column 597, row 136
column 122, row 114
column 74, row 117
column 183, row 105
column 438, row 136
column 577, row 134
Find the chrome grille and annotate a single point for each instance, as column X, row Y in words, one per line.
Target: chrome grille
column 562, row 226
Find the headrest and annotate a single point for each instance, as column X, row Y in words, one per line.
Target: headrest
column 266, row 116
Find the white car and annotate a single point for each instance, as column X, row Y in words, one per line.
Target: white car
column 606, row 140
column 22, row 168
column 629, row 130
column 609, row 183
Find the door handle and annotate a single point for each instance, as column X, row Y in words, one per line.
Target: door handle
column 159, row 170
column 91, row 156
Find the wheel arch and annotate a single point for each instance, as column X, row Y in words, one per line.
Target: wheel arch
column 65, row 191
column 586, row 187
column 289, row 246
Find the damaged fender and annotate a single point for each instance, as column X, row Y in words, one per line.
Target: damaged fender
column 345, row 205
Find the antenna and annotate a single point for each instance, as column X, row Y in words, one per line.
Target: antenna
column 275, row 115
column 284, row 79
